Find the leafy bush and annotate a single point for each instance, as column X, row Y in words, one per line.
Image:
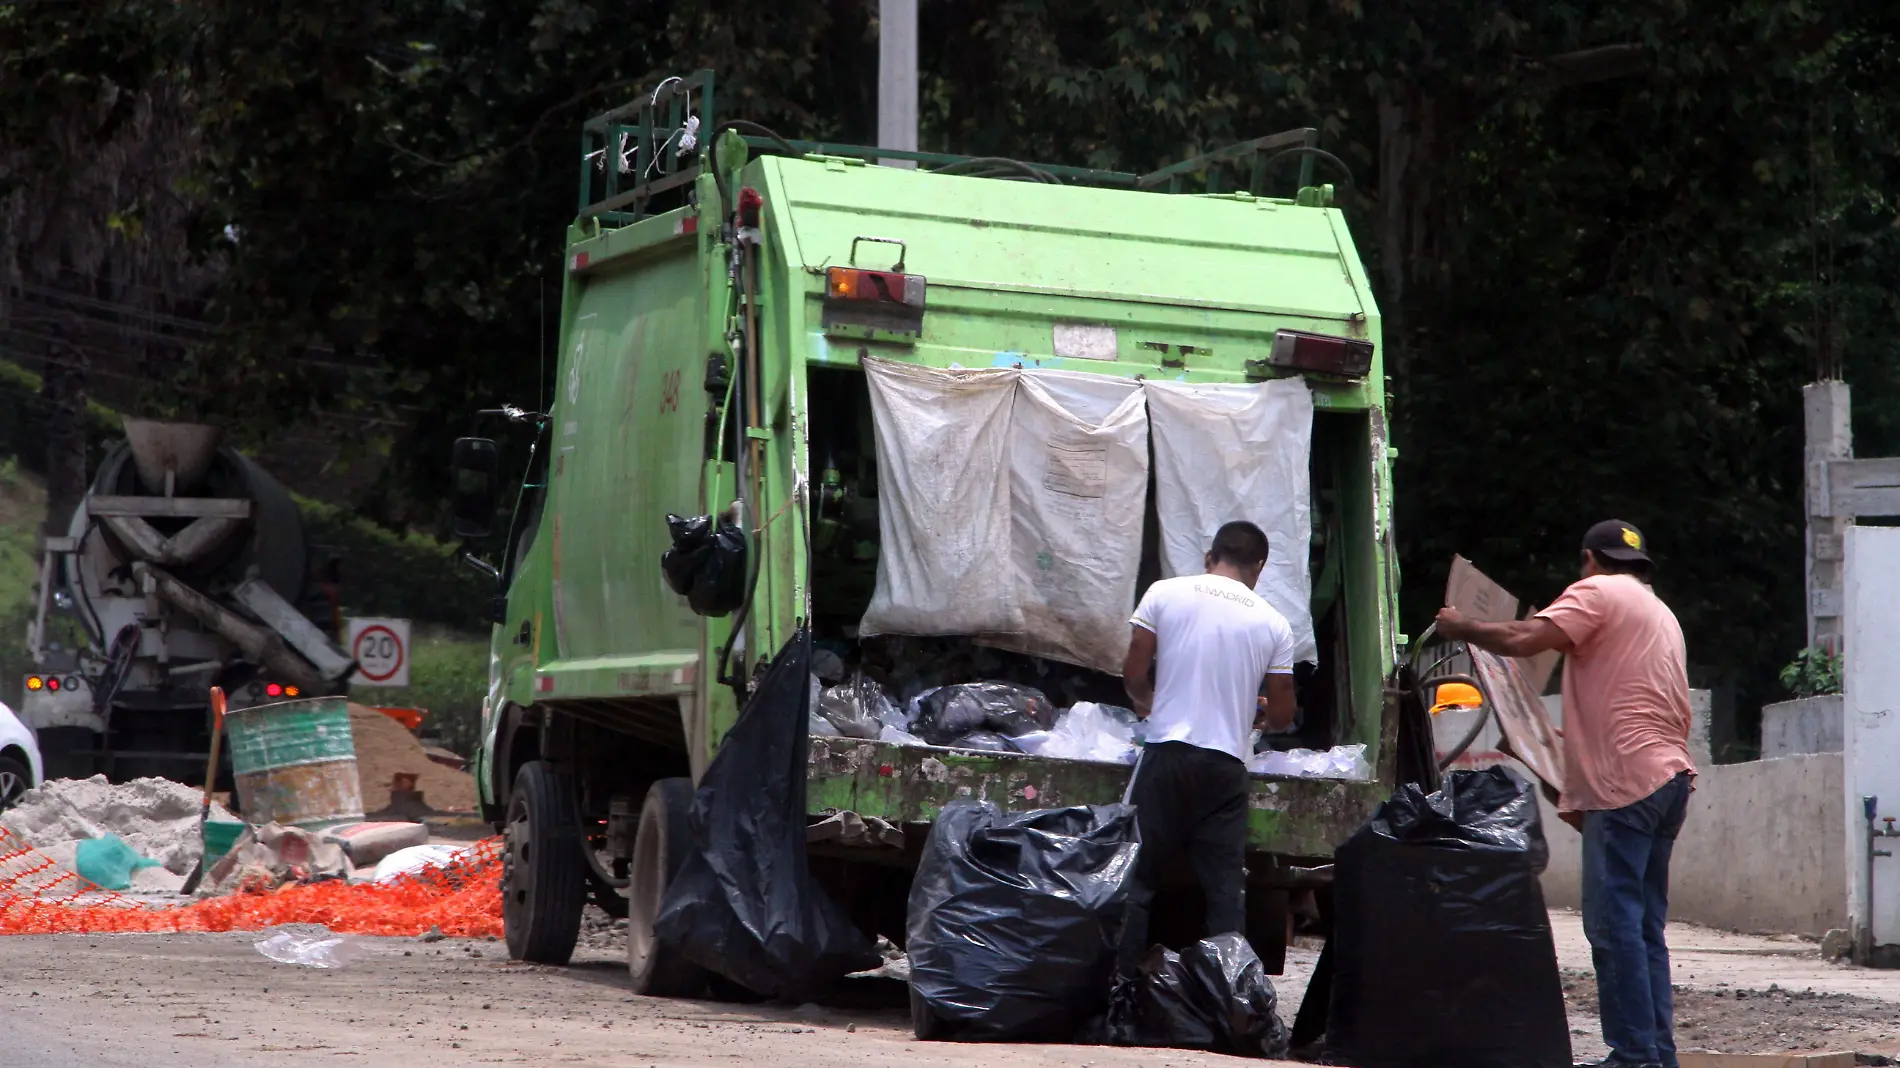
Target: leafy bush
column 1813, row 673
column 386, row 573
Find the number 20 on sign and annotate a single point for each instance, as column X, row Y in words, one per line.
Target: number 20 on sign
column 381, row 650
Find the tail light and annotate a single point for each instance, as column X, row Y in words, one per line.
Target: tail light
column 1321, row 353
column 273, row 690
column 292, row 691
column 36, row 684
column 889, row 287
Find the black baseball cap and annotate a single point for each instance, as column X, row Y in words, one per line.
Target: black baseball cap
column 1618, row 540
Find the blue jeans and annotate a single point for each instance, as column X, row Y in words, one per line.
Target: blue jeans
column 1625, row 903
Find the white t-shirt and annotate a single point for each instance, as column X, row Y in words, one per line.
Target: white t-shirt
column 1215, row 639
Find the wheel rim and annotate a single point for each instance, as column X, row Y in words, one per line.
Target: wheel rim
column 12, row 785
column 646, row 884
column 517, row 873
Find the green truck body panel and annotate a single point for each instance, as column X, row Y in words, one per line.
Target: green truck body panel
column 1195, row 288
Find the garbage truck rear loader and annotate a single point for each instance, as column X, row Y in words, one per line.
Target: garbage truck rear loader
column 961, row 415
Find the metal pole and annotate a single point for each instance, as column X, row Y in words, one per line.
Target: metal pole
column 897, row 78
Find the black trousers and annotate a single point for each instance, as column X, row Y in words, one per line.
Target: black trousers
column 1193, row 800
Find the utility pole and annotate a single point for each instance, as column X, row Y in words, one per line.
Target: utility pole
column 897, row 78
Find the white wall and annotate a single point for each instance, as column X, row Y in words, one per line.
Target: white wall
column 1870, row 724
column 1809, row 725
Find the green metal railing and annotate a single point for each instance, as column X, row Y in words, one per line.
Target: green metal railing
column 639, row 152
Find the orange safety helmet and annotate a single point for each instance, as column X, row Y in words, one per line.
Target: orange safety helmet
column 1456, row 695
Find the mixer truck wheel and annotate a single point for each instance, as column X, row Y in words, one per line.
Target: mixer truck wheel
column 543, row 874
column 660, row 847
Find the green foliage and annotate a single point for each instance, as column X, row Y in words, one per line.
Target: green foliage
column 23, row 430
column 1813, row 673
column 448, row 674
column 386, row 573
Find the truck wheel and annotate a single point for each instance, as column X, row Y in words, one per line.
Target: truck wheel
column 543, row 875
column 660, row 847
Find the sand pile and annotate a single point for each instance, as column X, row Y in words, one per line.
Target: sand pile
column 157, row 817
column 385, row 748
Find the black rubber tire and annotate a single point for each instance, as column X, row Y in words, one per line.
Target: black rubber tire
column 661, row 843
column 15, row 779
column 924, row 1023
column 544, row 875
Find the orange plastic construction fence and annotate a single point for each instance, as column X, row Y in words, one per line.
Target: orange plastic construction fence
column 40, row 896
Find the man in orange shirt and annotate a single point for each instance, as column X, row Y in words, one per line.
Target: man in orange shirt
column 1627, row 772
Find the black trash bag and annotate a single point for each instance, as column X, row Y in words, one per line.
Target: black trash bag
column 744, row 905
column 707, row 563
column 1014, row 918
column 1441, row 948
column 1215, row 995
column 984, row 741
column 949, row 712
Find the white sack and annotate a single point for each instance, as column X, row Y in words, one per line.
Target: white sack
column 1078, row 487
column 943, row 501
column 1227, row 452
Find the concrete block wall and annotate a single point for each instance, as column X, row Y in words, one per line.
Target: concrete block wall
column 1761, row 851
column 1810, row 725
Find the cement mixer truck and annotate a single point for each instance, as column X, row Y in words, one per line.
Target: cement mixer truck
column 185, row 567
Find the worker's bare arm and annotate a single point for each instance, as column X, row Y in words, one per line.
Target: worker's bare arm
column 1138, row 670
column 1281, row 706
column 1523, row 637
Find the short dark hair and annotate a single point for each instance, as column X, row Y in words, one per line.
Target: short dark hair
column 1239, row 543
column 1641, row 569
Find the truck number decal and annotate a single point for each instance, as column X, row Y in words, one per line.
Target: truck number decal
column 670, row 392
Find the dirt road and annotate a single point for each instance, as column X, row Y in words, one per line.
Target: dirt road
column 210, row 1001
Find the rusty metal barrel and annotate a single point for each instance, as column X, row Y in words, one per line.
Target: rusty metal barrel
column 295, row 763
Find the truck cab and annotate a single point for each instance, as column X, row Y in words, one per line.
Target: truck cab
column 960, row 413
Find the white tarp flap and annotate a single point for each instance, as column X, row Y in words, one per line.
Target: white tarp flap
column 1227, row 452
column 1079, row 485
column 943, row 501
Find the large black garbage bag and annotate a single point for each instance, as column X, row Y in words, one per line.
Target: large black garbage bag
column 1441, row 949
column 950, row 712
column 744, row 905
column 707, row 563
column 1014, row 918
column 1215, row 995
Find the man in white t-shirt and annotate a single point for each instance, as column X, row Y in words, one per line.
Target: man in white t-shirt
column 1200, row 648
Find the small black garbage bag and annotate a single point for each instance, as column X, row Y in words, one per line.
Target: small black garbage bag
column 707, row 563
column 1014, row 918
column 744, row 905
column 1441, row 946
column 1005, row 708
column 1215, row 995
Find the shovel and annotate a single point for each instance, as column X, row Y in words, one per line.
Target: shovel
column 211, row 778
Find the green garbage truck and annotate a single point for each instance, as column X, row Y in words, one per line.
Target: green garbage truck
column 954, row 414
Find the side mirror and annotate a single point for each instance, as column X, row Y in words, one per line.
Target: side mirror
column 476, row 466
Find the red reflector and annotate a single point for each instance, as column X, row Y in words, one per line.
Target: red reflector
column 273, row 690
column 1321, row 353
column 850, row 283
column 688, row 224
column 579, row 262
column 53, row 685
column 750, row 203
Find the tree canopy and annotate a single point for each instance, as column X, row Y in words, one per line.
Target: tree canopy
column 1610, row 241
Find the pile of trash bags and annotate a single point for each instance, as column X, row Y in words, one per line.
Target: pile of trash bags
column 1014, row 923
column 990, row 716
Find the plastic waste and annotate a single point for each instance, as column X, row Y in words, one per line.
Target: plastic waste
column 1441, row 948
column 984, row 742
column 743, row 904
column 321, row 950
column 859, row 708
column 899, row 736
column 706, row 563
column 1014, row 918
column 1214, row 995
column 950, row 712
column 108, row 862
column 414, row 860
column 1090, row 731
column 1339, row 762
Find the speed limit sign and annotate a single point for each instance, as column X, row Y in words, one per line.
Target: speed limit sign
column 381, row 650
